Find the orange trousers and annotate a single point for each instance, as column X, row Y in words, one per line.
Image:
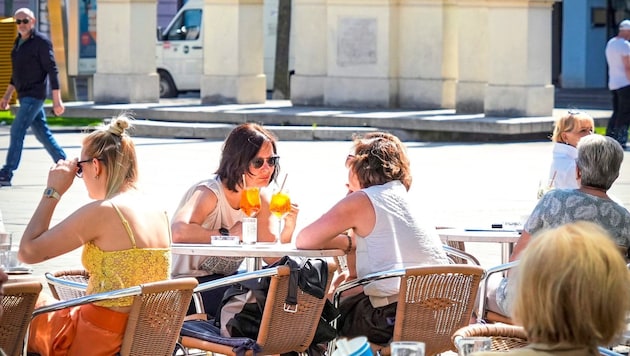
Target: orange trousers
column 81, row 330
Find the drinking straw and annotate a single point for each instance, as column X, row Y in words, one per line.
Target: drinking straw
column 244, row 184
column 284, row 181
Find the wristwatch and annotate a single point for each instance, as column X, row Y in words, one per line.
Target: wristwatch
column 51, row 193
column 224, row 232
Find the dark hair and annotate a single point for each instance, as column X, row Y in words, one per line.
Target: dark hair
column 379, row 158
column 239, row 148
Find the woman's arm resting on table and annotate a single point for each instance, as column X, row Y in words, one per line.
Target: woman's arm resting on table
column 186, row 224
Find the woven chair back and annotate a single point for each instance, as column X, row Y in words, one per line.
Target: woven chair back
column 504, row 337
column 284, row 330
column 18, row 304
column 434, row 302
column 156, row 317
column 66, row 293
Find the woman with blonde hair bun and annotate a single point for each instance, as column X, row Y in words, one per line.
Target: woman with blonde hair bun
column 125, row 240
column 571, row 291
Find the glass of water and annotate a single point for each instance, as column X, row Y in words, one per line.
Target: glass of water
column 5, row 248
column 407, row 348
column 468, row 345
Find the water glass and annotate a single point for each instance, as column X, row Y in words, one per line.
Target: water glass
column 468, row 345
column 250, row 232
column 5, row 248
column 407, row 348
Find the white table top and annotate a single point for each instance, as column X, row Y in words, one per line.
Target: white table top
column 479, row 235
column 260, row 249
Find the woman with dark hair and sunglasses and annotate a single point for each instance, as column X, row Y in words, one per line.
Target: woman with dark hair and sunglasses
column 379, row 230
column 125, row 239
column 212, row 206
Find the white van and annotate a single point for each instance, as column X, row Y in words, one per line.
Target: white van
column 179, row 49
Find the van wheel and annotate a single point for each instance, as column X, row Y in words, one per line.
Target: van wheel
column 167, row 87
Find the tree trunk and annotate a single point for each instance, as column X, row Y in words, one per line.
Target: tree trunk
column 281, row 88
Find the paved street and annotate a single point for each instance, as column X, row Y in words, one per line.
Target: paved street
column 454, row 184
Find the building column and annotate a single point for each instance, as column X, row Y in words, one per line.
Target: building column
column 472, row 61
column 362, row 53
column 125, row 59
column 428, row 54
column 233, row 52
column 310, row 52
column 519, row 47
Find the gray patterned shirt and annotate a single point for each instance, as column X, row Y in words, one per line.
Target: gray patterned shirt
column 561, row 206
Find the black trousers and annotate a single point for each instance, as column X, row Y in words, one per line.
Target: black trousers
column 620, row 120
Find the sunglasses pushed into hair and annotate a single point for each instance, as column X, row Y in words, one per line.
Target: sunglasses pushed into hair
column 259, row 161
column 22, row 21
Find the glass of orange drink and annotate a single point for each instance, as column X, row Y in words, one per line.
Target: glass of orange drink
column 280, row 206
column 250, row 201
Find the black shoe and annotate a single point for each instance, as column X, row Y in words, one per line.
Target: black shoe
column 5, row 178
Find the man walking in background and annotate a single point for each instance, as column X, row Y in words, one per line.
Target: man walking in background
column 618, row 58
column 33, row 62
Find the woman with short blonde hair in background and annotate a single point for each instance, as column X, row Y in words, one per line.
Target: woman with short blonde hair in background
column 572, row 289
column 567, row 132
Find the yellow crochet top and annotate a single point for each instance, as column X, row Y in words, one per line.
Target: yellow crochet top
column 111, row 270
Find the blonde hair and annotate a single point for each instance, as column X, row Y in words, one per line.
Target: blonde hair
column 572, row 286
column 569, row 122
column 114, row 148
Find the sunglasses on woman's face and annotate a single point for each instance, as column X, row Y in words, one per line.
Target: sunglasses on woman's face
column 259, row 161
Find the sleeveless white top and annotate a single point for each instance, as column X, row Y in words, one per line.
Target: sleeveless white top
column 398, row 240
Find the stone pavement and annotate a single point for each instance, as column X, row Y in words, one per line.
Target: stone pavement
column 455, row 184
column 186, row 117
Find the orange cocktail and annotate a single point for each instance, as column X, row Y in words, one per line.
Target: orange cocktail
column 280, row 204
column 250, row 201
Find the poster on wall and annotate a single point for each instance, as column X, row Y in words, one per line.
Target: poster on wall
column 87, row 36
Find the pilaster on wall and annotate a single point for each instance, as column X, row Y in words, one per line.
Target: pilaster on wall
column 362, row 45
column 428, row 54
column 472, row 44
column 125, row 59
column 310, row 51
column 233, row 52
column 519, row 71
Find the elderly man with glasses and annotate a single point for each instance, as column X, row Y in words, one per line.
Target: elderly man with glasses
column 33, row 62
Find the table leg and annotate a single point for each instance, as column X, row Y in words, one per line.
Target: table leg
column 506, row 251
column 253, row 263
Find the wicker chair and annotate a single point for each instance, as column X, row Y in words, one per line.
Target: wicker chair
column 433, row 303
column 18, row 303
column 67, row 284
column 156, row 315
column 281, row 330
column 504, row 337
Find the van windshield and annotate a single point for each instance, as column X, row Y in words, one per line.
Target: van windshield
column 187, row 26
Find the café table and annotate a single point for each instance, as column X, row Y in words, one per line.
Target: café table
column 254, row 252
column 506, row 237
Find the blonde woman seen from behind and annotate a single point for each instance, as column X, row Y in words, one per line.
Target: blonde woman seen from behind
column 125, row 240
column 571, row 295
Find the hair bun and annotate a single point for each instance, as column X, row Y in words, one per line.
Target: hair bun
column 119, row 124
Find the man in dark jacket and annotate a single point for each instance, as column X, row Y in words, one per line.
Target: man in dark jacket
column 33, row 62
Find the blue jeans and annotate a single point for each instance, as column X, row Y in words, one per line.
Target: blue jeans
column 30, row 114
column 620, row 120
